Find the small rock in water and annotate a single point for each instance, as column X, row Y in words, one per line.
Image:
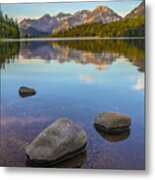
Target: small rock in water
column 25, row 91
column 63, row 139
column 112, row 122
column 114, row 137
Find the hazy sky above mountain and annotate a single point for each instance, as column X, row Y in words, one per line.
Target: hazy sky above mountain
column 36, row 10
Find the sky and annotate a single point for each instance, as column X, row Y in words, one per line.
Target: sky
column 20, row 11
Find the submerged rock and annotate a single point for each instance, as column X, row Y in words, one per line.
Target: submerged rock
column 63, row 139
column 25, row 91
column 114, row 137
column 112, row 122
column 73, row 162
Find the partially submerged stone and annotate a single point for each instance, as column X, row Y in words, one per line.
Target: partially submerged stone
column 114, row 137
column 63, row 139
column 112, row 122
column 25, row 91
column 73, row 162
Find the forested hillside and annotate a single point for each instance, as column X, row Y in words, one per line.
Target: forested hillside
column 8, row 27
column 134, row 27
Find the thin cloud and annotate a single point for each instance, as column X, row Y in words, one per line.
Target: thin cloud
column 140, row 83
column 86, row 78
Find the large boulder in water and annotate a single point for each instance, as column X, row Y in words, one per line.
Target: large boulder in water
column 61, row 140
column 112, row 122
column 25, row 91
column 73, row 162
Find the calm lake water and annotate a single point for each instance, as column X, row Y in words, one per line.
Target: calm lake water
column 77, row 79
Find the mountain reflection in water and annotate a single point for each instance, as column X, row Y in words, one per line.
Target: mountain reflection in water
column 100, row 53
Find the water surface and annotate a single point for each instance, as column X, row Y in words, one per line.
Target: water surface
column 77, row 79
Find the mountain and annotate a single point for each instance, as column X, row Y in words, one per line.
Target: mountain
column 102, row 14
column 30, row 31
column 42, row 25
column 63, row 21
column 131, row 27
column 138, row 11
column 72, row 21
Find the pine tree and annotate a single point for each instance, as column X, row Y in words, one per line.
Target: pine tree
column 8, row 27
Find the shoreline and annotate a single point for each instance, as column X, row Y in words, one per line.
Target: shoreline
column 69, row 38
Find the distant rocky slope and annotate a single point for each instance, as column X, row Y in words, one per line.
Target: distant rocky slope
column 139, row 11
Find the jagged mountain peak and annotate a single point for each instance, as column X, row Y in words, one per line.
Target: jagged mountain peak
column 61, row 14
column 102, row 14
column 101, row 8
column 45, row 16
column 82, row 12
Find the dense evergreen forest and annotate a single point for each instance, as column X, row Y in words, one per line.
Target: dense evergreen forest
column 8, row 27
column 134, row 27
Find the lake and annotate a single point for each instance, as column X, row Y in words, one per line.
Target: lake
column 77, row 79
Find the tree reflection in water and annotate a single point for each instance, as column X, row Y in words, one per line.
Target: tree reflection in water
column 9, row 51
column 101, row 53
